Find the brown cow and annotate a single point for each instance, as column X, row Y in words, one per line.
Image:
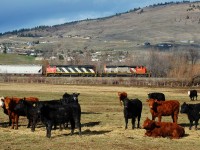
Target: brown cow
column 164, row 108
column 163, row 129
column 10, row 104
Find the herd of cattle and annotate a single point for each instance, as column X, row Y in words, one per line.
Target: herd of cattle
column 67, row 110
column 160, row 107
column 51, row 113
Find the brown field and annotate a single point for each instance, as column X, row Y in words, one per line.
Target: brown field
column 102, row 120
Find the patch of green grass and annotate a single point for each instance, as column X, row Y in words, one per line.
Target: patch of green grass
column 17, row 59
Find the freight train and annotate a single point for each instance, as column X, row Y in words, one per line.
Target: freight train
column 74, row 70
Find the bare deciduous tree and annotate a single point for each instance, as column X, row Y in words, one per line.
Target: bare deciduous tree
column 193, row 56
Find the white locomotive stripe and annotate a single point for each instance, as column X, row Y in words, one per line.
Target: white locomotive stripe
column 58, row 69
column 85, row 71
column 91, row 70
column 71, row 70
column 65, row 70
column 133, row 70
column 78, row 70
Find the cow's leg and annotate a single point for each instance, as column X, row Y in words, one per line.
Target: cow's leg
column 191, row 124
column 10, row 121
column 48, row 128
column 159, row 118
column 16, row 121
column 34, row 122
column 196, row 123
column 13, row 123
column 29, row 123
column 126, row 122
column 191, row 98
column 60, row 126
column 72, row 122
column 153, row 117
column 133, row 122
column 78, row 124
column 138, row 125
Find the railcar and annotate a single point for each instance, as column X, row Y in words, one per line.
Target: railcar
column 125, row 71
column 71, row 70
column 21, row 70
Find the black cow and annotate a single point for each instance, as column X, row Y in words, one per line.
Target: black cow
column 30, row 111
column 157, row 96
column 192, row 94
column 193, row 113
column 28, row 108
column 132, row 109
column 55, row 114
column 72, row 101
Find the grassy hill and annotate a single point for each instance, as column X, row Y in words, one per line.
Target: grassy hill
column 127, row 31
column 17, row 59
column 115, row 36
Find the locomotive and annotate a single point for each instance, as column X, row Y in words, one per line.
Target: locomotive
column 74, row 70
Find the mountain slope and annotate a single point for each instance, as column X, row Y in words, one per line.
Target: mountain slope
column 172, row 22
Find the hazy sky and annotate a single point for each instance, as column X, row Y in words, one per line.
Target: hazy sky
column 18, row 14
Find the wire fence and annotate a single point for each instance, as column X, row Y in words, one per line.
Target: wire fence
column 116, row 81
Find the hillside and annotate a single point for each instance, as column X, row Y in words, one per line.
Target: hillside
column 164, row 38
column 127, row 31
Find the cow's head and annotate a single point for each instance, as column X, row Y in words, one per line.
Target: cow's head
column 7, row 102
column 149, row 124
column 184, row 108
column 75, row 96
column 20, row 105
column 152, row 103
column 122, row 96
column 2, row 101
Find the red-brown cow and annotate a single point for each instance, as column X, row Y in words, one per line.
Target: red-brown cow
column 163, row 129
column 164, row 108
column 10, row 104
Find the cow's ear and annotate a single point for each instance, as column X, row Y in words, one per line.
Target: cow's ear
column 119, row 93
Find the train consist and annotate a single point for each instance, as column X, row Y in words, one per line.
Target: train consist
column 74, row 70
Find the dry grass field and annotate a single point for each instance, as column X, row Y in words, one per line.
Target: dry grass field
column 102, row 120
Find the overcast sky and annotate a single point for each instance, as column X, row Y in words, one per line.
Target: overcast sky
column 18, row 14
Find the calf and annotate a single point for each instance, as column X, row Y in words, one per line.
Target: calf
column 164, row 108
column 163, row 129
column 28, row 108
column 193, row 113
column 132, row 109
column 156, row 96
column 192, row 94
column 10, row 104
